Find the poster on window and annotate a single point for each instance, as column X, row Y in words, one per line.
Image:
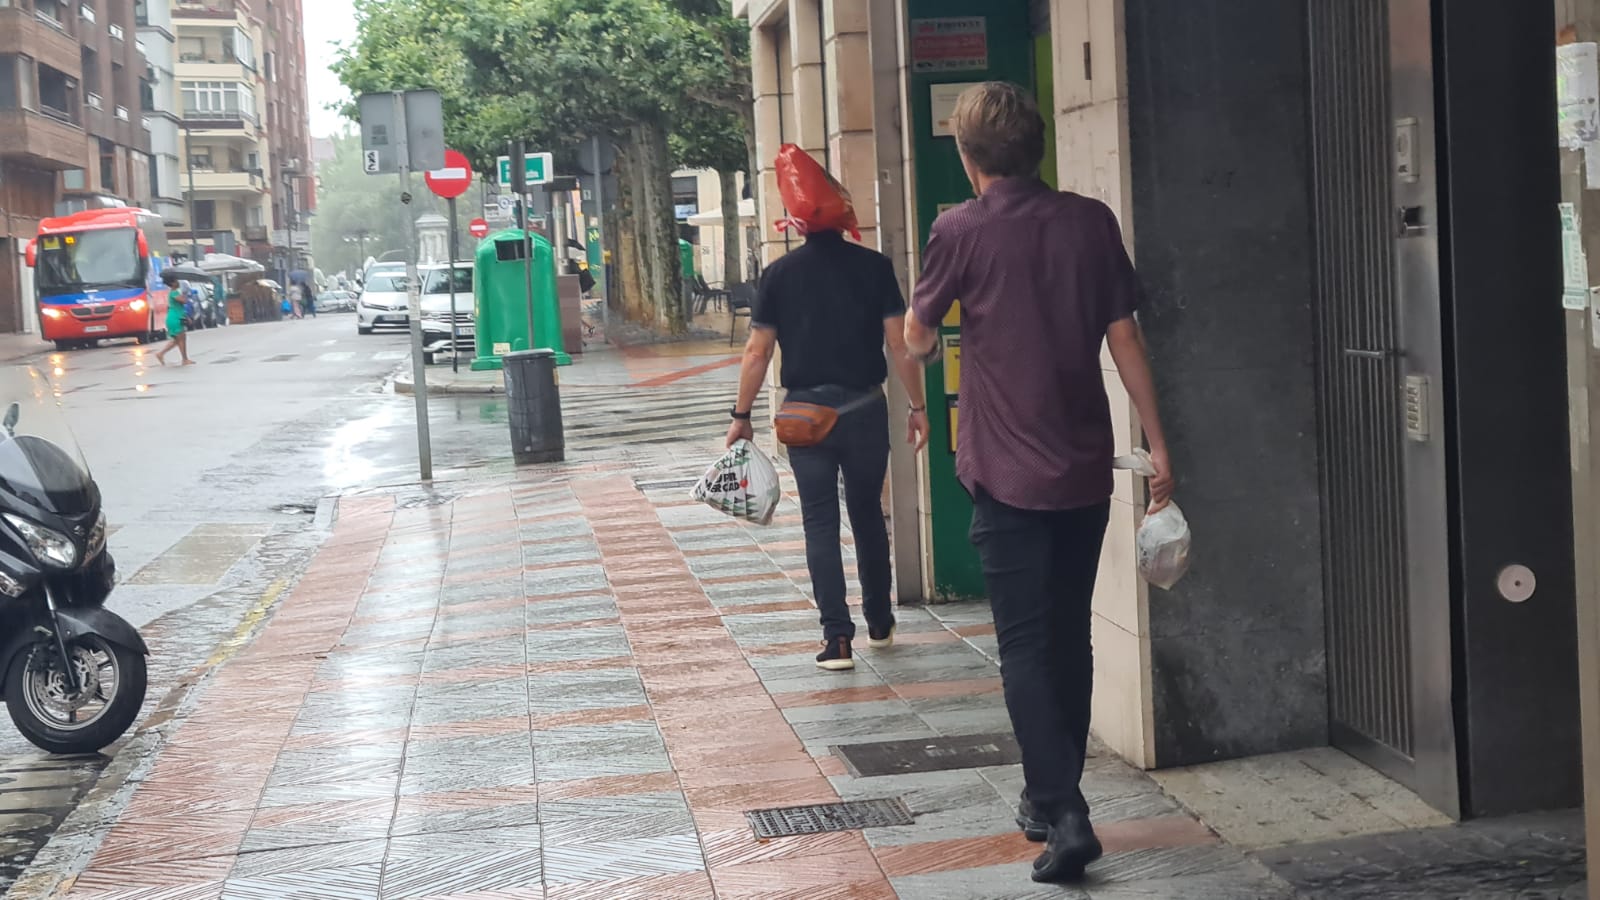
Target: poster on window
column 956, row 44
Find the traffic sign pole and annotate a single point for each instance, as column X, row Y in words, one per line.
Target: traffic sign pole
column 519, row 187
column 419, row 372
column 455, row 251
column 451, row 182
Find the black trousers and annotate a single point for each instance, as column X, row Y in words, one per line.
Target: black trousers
column 1040, row 569
column 858, row 448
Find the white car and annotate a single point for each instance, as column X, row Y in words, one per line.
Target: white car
column 383, row 302
column 436, row 314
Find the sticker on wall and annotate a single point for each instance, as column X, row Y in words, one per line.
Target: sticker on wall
column 1578, row 95
column 1575, row 264
column 952, row 405
column 952, row 363
column 958, row 44
column 942, row 99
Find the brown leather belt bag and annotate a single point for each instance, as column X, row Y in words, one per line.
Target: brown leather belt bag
column 800, row 424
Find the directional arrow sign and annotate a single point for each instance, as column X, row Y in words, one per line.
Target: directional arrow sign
column 539, row 167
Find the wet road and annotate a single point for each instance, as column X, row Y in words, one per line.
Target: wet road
column 211, row 476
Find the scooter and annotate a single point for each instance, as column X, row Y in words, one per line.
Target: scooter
column 74, row 672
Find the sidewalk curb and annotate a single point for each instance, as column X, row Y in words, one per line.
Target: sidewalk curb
column 405, row 386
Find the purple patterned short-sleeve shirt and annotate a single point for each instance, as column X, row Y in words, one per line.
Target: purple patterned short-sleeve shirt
column 1040, row 276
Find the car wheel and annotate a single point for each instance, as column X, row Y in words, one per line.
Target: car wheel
column 429, row 358
column 363, row 329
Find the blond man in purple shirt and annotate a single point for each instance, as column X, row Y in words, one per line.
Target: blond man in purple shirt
column 1043, row 280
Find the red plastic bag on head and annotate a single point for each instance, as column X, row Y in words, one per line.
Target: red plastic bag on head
column 816, row 201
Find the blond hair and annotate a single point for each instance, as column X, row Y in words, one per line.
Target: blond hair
column 999, row 129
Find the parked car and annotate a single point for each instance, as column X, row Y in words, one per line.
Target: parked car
column 383, row 302
column 336, row 301
column 437, row 318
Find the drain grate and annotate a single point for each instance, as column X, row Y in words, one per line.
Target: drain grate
column 821, row 817
column 970, row 751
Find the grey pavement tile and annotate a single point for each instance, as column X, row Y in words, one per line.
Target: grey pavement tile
column 592, row 751
column 499, row 651
column 325, row 722
column 612, row 860
column 926, row 671
column 713, row 539
column 860, row 676
column 783, row 534
column 497, row 746
column 861, row 730
column 375, row 662
column 986, row 644
column 969, row 612
column 947, row 805
column 351, row 882
column 1245, row 883
column 554, row 528
column 450, row 627
column 478, row 591
column 289, row 837
column 1162, row 863
column 725, row 565
column 485, row 871
column 575, row 609
column 441, row 774
column 611, row 818
column 310, row 859
column 1008, row 882
column 414, row 821
column 295, row 769
column 470, row 695
column 565, row 580
column 596, row 642
column 376, row 788
column 551, row 552
column 443, row 711
column 1008, row 781
column 844, row 712
column 396, row 631
column 991, row 719
column 689, row 516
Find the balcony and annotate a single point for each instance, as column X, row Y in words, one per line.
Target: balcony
column 200, row 68
column 212, row 10
column 254, row 233
column 41, row 140
column 229, row 122
column 24, row 33
column 231, row 181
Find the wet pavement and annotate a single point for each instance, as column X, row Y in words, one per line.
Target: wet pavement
column 558, row 685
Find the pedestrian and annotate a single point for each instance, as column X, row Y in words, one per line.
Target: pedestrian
column 179, row 336
column 1043, row 280
column 295, row 293
column 310, row 303
column 831, row 305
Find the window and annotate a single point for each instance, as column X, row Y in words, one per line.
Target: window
column 200, row 158
column 237, row 47
column 269, row 63
column 141, row 12
column 191, row 49
column 258, row 217
column 8, row 81
column 147, row 95
column 89, row 259
column 154, row 163
column 205, row 215
column 108, row 166
column 58, row 94
column 252, row 161
column 437, row 283
column 225, row 99
column 685, row 195
column 74, row 180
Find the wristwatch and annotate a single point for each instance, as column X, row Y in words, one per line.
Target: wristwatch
column 917, row 409
column 739, row 416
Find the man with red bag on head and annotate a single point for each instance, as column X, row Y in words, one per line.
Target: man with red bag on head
column 832, row 305
column 1043, row 280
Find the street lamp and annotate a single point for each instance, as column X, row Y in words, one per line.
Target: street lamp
column 188, row 157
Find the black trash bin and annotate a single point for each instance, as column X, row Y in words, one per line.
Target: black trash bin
column 534, row 404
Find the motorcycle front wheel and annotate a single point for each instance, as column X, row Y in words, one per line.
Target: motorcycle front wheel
column 55, row 717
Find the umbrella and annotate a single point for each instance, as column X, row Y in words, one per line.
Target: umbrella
column 222, row 263
column 300, row 276
column 187, row 271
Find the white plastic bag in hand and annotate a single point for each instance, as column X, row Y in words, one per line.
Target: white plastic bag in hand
column 743, row 484
column 1163, row 539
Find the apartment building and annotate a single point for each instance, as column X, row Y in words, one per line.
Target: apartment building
column 158, row 102
column 242, row 95
column 70, row 133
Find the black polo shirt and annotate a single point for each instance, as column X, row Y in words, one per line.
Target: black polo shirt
column 827, row 301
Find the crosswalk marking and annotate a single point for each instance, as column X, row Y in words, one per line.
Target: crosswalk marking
column 601, row 417
column 337, row 356
column 391, row 355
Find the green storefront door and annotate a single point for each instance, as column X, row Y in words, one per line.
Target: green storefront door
column 953, row 44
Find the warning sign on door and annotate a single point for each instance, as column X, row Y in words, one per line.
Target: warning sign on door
column 949, row 45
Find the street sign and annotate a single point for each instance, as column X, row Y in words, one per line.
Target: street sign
column 419, row 113
column 538, row 167
column 454, row 179
column 506, row 203
column 477, row 228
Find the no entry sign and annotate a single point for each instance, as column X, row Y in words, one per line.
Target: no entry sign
column 453, row 180
column 477, row 228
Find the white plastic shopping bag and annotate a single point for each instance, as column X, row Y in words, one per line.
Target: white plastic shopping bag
column 1163, row 538
column 743, row 484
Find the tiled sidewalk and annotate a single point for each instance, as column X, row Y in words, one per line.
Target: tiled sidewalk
column 574, row 690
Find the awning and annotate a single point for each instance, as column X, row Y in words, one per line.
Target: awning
column 712, row 218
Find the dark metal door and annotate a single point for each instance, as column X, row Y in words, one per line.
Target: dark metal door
column 1379, row 365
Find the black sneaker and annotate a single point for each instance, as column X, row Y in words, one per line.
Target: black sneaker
column 1071, row 847
column 1033, row 827
column 879, row 639
column 835, row 655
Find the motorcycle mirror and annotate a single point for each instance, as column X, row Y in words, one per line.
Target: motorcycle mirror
column 13, row 413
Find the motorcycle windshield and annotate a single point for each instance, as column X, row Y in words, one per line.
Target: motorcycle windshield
column 40, row 461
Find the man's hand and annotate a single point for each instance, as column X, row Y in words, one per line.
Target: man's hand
column 1161, row 482
column 917, row 430
column 740, row 430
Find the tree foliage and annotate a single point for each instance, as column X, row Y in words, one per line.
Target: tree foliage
column 667, row 81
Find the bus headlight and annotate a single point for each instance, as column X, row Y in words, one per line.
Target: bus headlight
column 139, row 305
column 50, row 312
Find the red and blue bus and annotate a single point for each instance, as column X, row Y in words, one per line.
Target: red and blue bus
column 97, row 274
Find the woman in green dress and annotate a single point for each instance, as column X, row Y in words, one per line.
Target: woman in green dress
column 180, row 338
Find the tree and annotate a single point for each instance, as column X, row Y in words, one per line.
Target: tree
column 711, row 137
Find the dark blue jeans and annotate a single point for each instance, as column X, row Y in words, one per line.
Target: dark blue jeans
column 858, row 447
column 1040, row 569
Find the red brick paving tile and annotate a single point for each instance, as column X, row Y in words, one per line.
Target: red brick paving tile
column 687, row 886
column 471, row 673
column 785, row 649
column 470, row 728
column 542, row 567
column 210, row 890
column 1153, row 832
column 762, row 794
column 154, row 873
column 179, row 835
column 926, row 637
column 472, row 798
column 777, row 749
column 609, row 786
column 748, row 773
column 832, row 765
column 862, row 694
column 360, row 738
column 743, row 579
column 467, row 637
column 581, row 665
column 751, row 609
column 824, row 876
column 570, row 626
column 963, row 688
column 1012, row 847
column 714, row 702
column 975, row 630
column 337, row 812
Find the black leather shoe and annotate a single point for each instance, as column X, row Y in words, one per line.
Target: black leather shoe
column 1033, row 828
column 1071, row 847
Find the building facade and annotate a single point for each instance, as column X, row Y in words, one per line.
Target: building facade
column 158, row 92
column 71, row 133
column 1342, row 213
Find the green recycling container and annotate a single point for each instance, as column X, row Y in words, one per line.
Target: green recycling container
column 686, row 257
column 499, row 294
